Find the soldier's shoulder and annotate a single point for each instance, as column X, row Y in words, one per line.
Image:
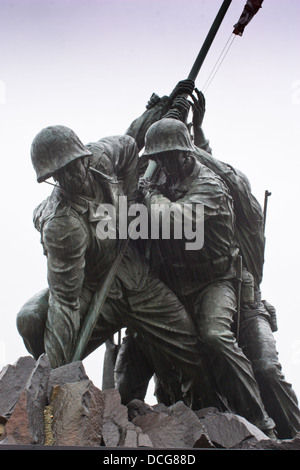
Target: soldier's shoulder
column 110, row 143
column 52, row 212
column 206, row 173
column 211, row 183
column 38, row 214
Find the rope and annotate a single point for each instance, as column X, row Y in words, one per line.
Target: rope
column 219, row 62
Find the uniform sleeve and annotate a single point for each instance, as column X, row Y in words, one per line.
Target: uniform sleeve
column 206, row 192
column 201, row 141
column 65, row 242
column 140, row 125
column 117, row 157
column 127, row 167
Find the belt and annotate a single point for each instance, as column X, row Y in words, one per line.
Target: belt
column 206, row 270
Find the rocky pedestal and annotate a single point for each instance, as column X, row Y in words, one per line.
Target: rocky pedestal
column 62, row 407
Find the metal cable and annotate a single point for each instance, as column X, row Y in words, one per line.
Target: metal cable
column 219, row 62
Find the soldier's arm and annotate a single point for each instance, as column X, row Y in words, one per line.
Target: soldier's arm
column 200, row 140
column 206, row 191
column 65, row 242
column 127, row 167
column 198, row 116
column 156, row 108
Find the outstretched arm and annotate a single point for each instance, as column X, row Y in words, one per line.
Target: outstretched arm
column 156, row 108
column 198, row 116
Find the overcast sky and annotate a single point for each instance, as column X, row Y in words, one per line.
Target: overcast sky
column 93, row 64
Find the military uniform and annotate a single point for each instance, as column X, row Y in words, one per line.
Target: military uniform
column 78, row 262
column 257, row 318
column 257, row 321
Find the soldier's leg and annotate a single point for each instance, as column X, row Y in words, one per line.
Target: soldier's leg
column 31, row 321
column 167, row 335
column 258, row 344
column 111, row 319
column 131, row 381
column 215, row 309
column 133, row 371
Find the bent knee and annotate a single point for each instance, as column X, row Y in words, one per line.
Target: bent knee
column 214, row 342
column 266, row 371
column 31, row 318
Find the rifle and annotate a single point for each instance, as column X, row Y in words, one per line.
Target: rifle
column 100, row 296
column 96, row 306
column 239, row 269
column 239, row 266
column 267, row 194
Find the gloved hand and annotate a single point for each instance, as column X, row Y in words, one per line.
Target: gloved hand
column 154, row 99
column 184, row 87
column 198, row 109
column 146, row 186
column 180, row 109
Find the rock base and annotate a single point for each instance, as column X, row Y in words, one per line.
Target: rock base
column 62, row 407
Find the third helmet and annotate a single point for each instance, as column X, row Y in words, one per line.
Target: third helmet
column 166, row 135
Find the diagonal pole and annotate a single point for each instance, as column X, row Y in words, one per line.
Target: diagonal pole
column 209, row 40
column 199, row 61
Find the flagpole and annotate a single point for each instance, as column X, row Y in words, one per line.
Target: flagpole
column 209, row 40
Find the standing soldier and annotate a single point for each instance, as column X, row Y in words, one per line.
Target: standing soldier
column 203, row 279
column 257, row 317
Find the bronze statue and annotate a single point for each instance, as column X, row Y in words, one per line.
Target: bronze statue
column 78, row 260
column 180, row 310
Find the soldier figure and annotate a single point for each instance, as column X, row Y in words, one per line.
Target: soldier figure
column 203, row 279
column 78, row 261
column 258, row 318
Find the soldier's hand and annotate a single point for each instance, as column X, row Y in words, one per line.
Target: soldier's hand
column 146, row 186
column 143, row 188
column 180, row 109
column 198, row 108
column 154, row 99
column 184, row 87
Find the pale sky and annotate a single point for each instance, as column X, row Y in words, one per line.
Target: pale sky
column 92, row 65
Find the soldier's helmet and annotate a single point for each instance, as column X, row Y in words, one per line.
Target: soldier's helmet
column 167, row 135
column 53, row 148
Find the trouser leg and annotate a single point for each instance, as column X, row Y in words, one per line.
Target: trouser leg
column 164, row 331
column 32, row 317
column 258, row 344
column 215, row 308
column 31, row 321
column 167, row 335
column 110, row 356
column 132, row 371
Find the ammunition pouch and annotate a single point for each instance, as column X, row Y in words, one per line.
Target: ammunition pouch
column 247, row 288
column 273, row 317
